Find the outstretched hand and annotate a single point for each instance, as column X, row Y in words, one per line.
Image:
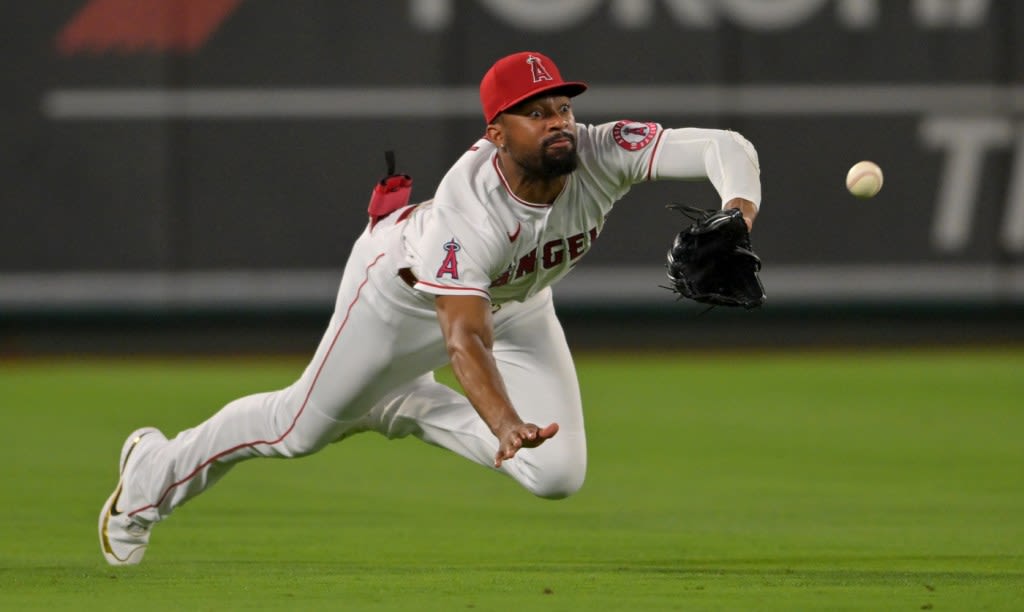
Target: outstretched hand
column 524, row 435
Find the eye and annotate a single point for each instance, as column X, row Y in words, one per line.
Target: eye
column 565, row 109
column 535, row 114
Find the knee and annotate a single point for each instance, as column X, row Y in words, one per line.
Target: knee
column 558, row 480
column 558, row 485
column 311, row 433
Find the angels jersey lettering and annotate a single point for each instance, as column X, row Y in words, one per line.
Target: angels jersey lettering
column 510, row 249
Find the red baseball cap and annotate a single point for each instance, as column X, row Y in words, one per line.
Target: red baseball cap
column 519, row 76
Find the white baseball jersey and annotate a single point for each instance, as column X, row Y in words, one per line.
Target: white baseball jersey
column 477, row 238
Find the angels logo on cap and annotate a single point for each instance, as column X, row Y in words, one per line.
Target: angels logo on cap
column 539, row 72
column 517, row 77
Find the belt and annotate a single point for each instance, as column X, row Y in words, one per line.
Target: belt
column 406, row 275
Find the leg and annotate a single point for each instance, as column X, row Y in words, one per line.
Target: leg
column 379, row 338
column 537, row 367
column 365, row 352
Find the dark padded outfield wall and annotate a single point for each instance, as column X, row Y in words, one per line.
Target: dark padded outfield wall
column 190, row 154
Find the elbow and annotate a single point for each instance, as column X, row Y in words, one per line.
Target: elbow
column 745, row 147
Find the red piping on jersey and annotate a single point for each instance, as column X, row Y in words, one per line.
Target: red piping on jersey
column 436, row 286
column 405, row 214
column 494, row 161
column 298, row 414
column 650, row 163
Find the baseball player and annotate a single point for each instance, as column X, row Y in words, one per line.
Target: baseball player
column 464, row 278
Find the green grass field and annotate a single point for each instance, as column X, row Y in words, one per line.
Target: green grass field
column 736, row 481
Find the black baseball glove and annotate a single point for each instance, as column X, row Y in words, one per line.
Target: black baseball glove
column 712, row 261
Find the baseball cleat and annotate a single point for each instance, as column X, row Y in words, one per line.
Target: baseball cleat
column 123, row 540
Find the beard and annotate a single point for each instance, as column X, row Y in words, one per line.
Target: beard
column 551, row 164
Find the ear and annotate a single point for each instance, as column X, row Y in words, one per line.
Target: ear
column 495, row 133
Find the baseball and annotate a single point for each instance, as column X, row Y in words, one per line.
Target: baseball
column 864, row 179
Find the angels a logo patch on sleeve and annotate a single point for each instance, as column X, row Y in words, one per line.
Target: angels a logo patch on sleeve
column 634, row 135
column 450, row 265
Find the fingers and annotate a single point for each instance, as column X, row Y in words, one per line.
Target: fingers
column 505, row 452
column 536, row 435
column 526, row 436
column 548, row 432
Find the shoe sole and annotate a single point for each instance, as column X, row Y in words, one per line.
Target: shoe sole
column 109, row 508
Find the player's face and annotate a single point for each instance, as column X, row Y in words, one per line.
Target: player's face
column 540, row 136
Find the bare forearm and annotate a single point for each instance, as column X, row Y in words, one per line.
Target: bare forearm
column 469, row 334
column 477, row 372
